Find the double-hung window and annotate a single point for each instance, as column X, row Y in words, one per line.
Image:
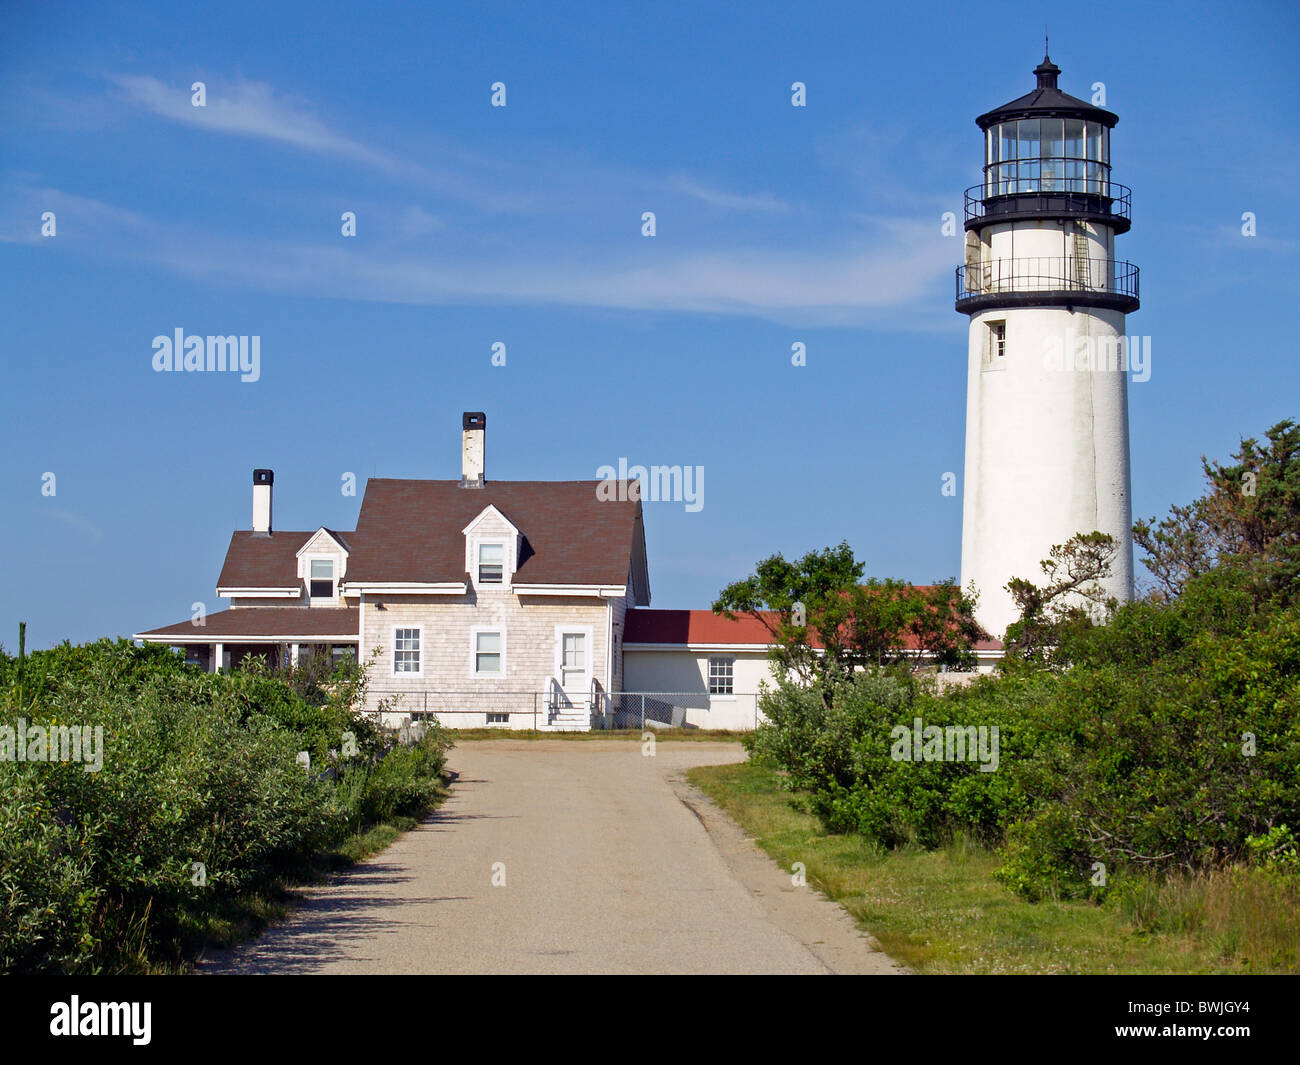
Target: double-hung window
column 406, row 650
column 491, row 563
column 322, row 578
column 489, row 653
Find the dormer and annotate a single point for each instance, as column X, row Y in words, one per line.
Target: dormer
column 491, row 550
column 322, row 564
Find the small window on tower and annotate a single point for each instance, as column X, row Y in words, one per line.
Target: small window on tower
column 996, row 348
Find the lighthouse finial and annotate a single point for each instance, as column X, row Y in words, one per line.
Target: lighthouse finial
column 1046, row 71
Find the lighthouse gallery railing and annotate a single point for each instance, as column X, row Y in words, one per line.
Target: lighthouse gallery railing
column 1062, row 273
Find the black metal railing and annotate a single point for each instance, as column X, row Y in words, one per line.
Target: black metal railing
column 1026, row 196
column 1044, row 274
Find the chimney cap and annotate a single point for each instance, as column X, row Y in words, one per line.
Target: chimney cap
column 473, row 419
column 263, row 477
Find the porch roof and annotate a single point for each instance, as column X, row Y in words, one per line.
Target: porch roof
column 264, row 624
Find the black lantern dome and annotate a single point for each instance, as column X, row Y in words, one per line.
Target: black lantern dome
column 1046, row 101
column 1047, row 155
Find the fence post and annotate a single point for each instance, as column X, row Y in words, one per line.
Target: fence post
column 534, row 711
column 643, row 711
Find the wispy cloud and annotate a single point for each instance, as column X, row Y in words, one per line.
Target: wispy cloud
column 760, row 201
column 75, row 521
column 823, row 272
column 76, row 217
column 885, row 266
column 254, row 109
column 251, row 109
column 898, row 270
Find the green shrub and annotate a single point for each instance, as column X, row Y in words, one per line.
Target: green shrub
column 200, row 797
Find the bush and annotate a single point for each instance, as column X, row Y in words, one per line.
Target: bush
column 1174, row 766
column 200, row 797
column 1172, row 742
column 842, row 754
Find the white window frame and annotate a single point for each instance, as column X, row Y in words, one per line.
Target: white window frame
column 708, row 676
column 509, row 536
column 473, row 652
column 334, row 580
column 488, row 541
column 587, row 631
column 392, row 642
column 992, row 360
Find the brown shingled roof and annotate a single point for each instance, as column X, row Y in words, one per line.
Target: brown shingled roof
column 410, row 531
column 341, row 623
column 259, row 560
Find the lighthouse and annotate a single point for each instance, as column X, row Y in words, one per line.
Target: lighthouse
column 1047, row 440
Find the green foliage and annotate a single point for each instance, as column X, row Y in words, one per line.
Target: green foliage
column 842, row 754
column 1070, row 603
column 849, row 625
column 98, row 869
column 1248, row 519
column 1172, row 743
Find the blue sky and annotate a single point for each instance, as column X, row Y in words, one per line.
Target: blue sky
column 522, row 225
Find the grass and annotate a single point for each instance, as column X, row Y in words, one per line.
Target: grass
column 941, row 911
column 660, row 735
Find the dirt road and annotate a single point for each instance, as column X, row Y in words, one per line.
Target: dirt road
column 555, row 856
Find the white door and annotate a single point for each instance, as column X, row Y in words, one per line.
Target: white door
column 575, row 663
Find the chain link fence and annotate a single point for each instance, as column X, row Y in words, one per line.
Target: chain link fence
column 555, row 710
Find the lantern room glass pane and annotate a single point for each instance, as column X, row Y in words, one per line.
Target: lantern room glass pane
column 1053, row 138
column 1073, row 138
column 1028, row 138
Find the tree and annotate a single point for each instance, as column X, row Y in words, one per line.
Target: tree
column 1249, row 518
column 847, row 625
column 1072, row 598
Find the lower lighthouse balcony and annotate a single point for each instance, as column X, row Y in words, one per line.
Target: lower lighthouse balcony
column 1047, row 282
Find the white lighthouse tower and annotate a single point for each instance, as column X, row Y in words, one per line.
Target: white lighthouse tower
column 1047, row 451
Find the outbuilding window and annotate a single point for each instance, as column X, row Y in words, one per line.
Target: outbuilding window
column 722, row 676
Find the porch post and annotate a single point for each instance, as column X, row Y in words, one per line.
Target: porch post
column 217, row 653
column 293, row 655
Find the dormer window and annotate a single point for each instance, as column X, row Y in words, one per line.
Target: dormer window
column 321, row 584
column 491, row 563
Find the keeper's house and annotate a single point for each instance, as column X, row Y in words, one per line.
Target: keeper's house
column 519, row 604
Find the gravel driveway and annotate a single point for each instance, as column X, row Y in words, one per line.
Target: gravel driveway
column 562, row 856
